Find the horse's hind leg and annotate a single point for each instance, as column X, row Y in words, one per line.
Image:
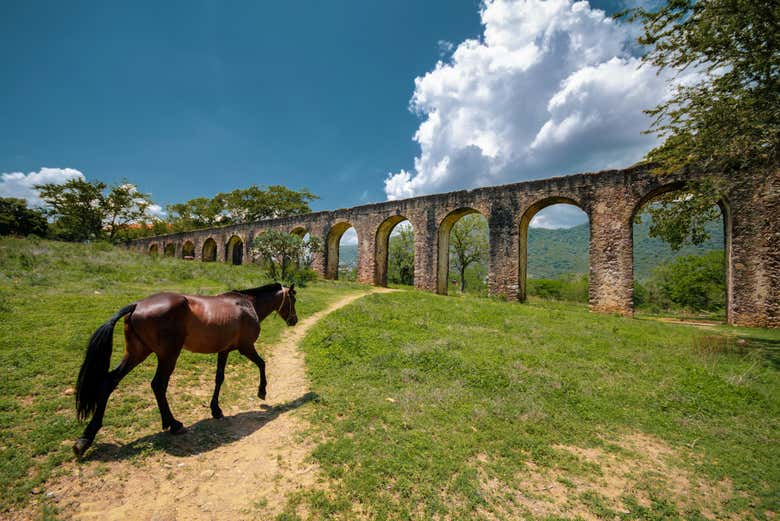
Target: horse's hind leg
column 250, row 352
column 134, row 355
column 222, row 357
column 165, row 365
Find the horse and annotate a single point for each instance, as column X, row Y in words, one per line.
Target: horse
column 166, row 323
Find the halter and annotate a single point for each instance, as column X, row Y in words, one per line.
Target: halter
column 284, row 296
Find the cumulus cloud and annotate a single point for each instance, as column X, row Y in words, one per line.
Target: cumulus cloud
column 22, row 186
column 550, row 88
column 155, row 210
column 558, row 216
column 349, row 237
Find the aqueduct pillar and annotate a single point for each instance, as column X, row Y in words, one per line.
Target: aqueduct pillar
column 610, row 251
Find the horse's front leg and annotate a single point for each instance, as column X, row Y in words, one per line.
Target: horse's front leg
column 250, row 352
column 222, row 357
column 165, row 365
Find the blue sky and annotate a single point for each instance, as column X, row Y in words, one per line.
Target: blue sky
column 192, row 98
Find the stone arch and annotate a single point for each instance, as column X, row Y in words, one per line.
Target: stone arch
column 154, row 250
column 726, row 220
column 382, row 244
column 300, row 231
column 188, row 250
column 169, row 250
column 332, row 248
column 308, row 256
column 525, row 220
column 443, row 246
column 209, row 250
column 234, row 250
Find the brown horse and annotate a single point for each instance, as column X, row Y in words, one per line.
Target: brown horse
column 165, row 323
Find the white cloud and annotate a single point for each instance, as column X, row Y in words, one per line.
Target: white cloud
column 558, row 216
column 551, row 88
column 155, row 210
column 349, row 237
column 402, row 226
column 22, row 186
column 445, row 47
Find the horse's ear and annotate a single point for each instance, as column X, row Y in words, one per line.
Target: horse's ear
column 292, row 287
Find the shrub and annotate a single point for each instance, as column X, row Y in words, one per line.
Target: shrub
column 694, row 281
column 573, row 288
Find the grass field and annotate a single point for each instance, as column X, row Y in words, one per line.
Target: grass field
column 427, row 406
column 458, row 408
column 52, row 297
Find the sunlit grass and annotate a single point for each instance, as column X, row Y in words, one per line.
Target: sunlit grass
column 52, row 297
column 427, row 400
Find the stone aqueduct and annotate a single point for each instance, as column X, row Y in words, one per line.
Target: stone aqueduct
column 611, row 199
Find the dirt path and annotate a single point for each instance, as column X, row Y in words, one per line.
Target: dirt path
column 241, row 467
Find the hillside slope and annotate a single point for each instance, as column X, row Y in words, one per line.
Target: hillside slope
column 554, row 253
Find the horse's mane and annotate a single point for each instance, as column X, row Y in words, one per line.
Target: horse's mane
column 262, row 290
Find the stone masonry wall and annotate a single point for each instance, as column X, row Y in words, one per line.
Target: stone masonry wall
column 610, row 199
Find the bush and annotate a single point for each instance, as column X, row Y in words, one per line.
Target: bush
column 640, row 294
column 573, row 288
column 695, row 282
column 17, row 219
column 301, row 276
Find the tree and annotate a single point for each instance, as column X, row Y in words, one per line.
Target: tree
column 695, row 282
column 728, row 122
column 280, row 251
column 123, row 206
column 201, row 212
column 239, row 206
column 77, row 208
column 468, row 244
column 400, row 266
column 82, row 211
column 17, row 219
column 255, row 204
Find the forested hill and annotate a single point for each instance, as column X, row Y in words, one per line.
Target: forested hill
column 555, row 253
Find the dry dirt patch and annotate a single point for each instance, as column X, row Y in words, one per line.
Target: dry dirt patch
column 241, row 467
column 641, row 467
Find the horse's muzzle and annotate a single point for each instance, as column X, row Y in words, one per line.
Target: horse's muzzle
column 292, row 320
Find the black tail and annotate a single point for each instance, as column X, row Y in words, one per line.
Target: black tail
column 95, row 367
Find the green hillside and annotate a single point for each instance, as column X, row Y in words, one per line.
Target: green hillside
column 554, row 253
column 348, row 254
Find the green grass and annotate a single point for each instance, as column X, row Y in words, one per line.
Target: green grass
column 52, row 297
column 457, row 407
column 428, row 406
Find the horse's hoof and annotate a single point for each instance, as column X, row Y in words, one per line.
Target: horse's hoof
column 177, row 428
column 81, row 446
column 261, row 394
column 217, row 414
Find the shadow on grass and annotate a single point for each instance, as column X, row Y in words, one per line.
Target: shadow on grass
column 202, row 436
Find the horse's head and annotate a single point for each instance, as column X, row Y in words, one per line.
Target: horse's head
column 286, row 308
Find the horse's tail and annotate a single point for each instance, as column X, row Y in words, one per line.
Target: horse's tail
column 95, row 367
